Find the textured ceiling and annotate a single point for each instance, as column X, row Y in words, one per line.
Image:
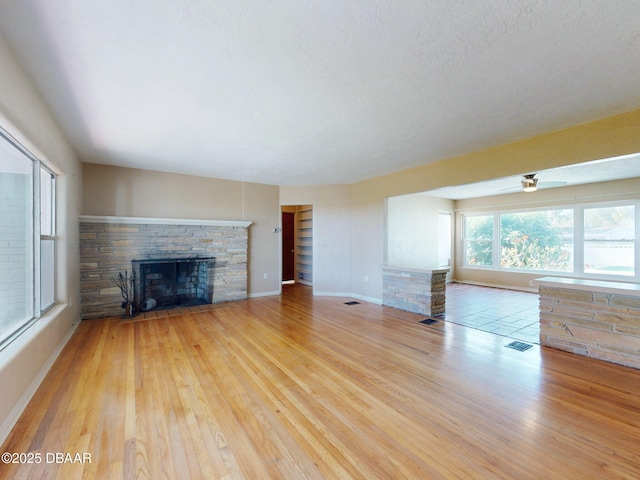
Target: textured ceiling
column 332, row 91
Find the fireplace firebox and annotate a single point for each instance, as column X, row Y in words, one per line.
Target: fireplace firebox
column 163, row 283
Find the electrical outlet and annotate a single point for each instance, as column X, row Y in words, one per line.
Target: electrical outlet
column 265, row 276
column 366, row 278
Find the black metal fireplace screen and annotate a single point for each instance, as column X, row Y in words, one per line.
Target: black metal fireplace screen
column 172, row 282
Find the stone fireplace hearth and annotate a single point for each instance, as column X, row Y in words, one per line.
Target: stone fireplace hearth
column 109, row 245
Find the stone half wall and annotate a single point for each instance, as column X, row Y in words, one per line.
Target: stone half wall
column 414, row 290
column 109, row 244
column 596, row 319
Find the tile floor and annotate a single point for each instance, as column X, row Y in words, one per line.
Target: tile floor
column 510, row 313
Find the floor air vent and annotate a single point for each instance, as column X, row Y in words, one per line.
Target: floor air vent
column 352, row 303
column 428, row 321
column 520, row 346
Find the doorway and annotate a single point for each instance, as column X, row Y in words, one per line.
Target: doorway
column 288, row 246
column 297, row 244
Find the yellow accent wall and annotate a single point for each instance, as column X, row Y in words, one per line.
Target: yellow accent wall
column 609, row 137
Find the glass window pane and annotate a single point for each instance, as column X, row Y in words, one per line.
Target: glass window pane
column 444, row 239
column 16, row 240
column 46, row 202
column 478, row 231
column 47, row 244
column 609, row 240
column 47, row 262
column 538, row 240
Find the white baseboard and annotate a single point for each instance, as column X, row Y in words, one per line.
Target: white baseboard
column 14, row 415
column 377, row 301
column 264, row 294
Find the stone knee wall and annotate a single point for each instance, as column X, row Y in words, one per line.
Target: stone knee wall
column 108, row 248
column 413, row 290
column 595, row 324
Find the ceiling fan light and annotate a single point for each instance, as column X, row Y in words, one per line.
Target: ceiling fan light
column 529, row 183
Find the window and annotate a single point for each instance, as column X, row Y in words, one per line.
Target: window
column 597, row 241
column 537, row 240
column 27, row 238
column 478, row 240
column 444, row 239
column 609, row 240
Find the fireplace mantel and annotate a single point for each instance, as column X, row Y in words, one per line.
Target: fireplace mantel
column 162, row 221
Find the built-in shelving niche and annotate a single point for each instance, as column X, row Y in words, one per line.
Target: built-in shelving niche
column 304, row 244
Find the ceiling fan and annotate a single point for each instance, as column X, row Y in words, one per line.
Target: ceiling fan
column 529, row 183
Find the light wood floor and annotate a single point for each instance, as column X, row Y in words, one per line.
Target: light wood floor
column 299, row 387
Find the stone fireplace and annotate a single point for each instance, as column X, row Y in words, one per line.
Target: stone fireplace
column 113, row 245
column 171, row 282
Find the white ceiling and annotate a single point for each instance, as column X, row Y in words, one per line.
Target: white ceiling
column 332, row 91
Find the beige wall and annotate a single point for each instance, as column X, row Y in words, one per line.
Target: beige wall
column 331, row 234
column 610, row 137
column 412, row 236
column 261, row 204
column 129, row 192
column 26, row 117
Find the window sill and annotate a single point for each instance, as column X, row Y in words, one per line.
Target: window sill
column 21, row 342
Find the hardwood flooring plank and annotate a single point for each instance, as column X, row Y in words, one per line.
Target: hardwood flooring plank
column 315, row 390
column 274, row 410
column 297, row 386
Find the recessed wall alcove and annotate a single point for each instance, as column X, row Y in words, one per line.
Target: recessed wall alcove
column 108, row 245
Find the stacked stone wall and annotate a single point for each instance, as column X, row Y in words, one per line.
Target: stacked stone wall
column 107, row 249
column 595, row 324
column 417, row 291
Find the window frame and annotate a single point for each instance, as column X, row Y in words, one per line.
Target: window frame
column 34, row 262
column 464, row 239
column 50, row 236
